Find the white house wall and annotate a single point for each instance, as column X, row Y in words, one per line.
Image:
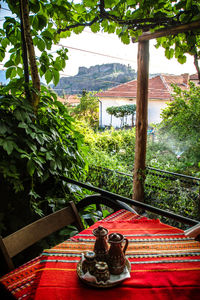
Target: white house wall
column 154, row 109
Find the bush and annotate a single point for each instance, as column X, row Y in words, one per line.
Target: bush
column 110, row 148
column 34, row 151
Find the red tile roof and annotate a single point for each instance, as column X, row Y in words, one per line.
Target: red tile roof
column 194, row 77
column 159, row 87
column 69, row 99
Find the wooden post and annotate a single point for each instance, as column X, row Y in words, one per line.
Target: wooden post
column 141, row 121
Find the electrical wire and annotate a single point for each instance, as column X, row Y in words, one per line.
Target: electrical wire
column 96, row 53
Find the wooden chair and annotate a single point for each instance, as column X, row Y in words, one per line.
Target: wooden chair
column 32, row 233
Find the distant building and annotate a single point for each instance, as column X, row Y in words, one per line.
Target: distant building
column 160, row 93
column 70, row 100
column 194, row 78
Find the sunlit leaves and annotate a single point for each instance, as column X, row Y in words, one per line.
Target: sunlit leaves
column 169, row 53
column 125, row 18
column 182, row 59
column 95, row 27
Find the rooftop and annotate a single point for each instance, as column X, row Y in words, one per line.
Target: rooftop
column 159, row 87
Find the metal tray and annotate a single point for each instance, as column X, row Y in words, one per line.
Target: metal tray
column 101, row 285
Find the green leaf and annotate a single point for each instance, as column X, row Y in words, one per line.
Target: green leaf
column 8, row 73
column 22, row 125
column 8, row 146
column 34, row 194
column 20, row 115
column 35, row 22
column 65, row 34
column 17, row 58
column 95, row 27
column 42, row 21
column 20, row 71
column 47, row 34
column 48, row 76
column 4, row 42
column 49, row 156
column 34, row 6
column 31, row 167
column 169, row 53
column 182, row 59
column 41, row 45
column 3, row 128
column 56, row 77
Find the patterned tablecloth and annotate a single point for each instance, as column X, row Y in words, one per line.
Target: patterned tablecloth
column 165, row 264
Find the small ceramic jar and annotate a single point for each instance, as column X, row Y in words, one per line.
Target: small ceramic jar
column 101, row 271
column 88, row 264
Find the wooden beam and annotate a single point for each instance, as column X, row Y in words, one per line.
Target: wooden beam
column 141, row 121
column 167, row 31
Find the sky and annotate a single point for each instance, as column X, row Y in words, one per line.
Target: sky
column 89, row 49
column 112, row 50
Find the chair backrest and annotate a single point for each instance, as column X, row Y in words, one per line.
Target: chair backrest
column 32, row 233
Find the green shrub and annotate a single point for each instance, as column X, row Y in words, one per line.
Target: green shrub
column 34, row 152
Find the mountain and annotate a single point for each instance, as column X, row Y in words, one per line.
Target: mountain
column 95, row 78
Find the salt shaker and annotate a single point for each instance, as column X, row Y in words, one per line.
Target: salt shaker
column 88, row 264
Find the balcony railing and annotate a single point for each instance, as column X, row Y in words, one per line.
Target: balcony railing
column 169, row 191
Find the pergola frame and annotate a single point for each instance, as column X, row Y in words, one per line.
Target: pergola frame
column 142, row 102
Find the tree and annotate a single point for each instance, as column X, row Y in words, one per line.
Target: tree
column 181, row 121
column 87, row 109
column 122, row 112
column 31, row 30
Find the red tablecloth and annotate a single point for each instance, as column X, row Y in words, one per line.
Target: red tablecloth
column 164, row 265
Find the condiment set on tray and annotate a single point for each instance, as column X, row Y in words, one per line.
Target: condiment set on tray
column 105, row 266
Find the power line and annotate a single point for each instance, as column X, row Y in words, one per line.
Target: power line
column 96, row 53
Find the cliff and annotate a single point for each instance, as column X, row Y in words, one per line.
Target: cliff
column 95, row 78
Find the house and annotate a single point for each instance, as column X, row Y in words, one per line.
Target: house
column 194, row 78
column 70, row 100
column 160, row 93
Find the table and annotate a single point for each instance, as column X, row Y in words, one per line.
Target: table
column 165, row 264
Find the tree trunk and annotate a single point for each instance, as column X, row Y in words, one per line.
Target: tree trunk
column 24, row 56
column 141, row 121
column 31, row 54
column 197, row 66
